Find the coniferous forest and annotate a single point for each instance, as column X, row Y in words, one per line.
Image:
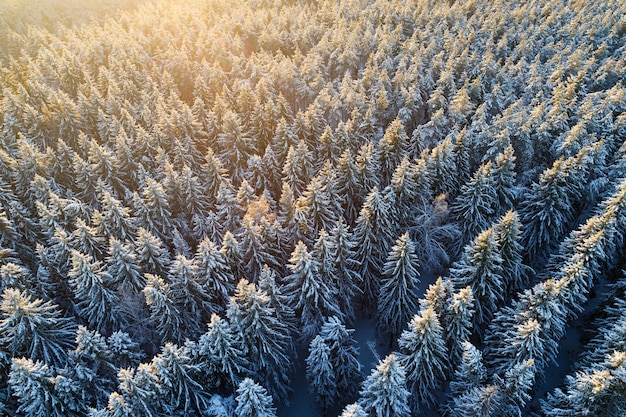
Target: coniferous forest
column 201, row 200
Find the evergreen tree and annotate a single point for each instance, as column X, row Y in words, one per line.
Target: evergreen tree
column 92, row 288
column 475, row 207
column 266, row 338
column 471, row 372
column 508, row 236
column 393, row 148
column 353, row 410
column 424, row 356
column 221, row 354
column 124, row 268
column 309, row 293
column 253, row 400
column 163, row 310
column 384, row 392
column 397, row 300
column 320, row 374
column 481, row 268
column 343, row 357
column 174, row 369
column 343, row 251
column 151, row 255
column 42, row 394
column 214, row 274
column 34, row 329
column 458, row 321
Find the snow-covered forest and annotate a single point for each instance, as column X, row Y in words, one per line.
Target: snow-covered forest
column 200, row 200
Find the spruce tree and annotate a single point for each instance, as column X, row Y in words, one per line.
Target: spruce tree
column 424, row 356
column 384, row 392
column 320, row 374
column 266, row 338
column 253, row 400
column 397, row 300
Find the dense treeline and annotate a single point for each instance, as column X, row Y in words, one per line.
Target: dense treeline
column 198, row 198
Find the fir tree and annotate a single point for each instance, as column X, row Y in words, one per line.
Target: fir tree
column 397, row 300
column 253, row 400
column 481, row 269
column 423, row 356
column 384, row 392
column 266, row 338
column 309, row 293
column 92, row 288
column 34, row 329
column 320, row 374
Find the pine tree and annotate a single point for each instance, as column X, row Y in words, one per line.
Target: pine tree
column 424, row 356
column 214, row 274
column 458, row 321
column 397, row 300
column 508, row 236
column 470, row 373
column 309, row 293
column 343, row 357
column 221, row 355
column 320, row 374
column 163, row 310
column 343, row 251
column 124, row 268
column 92, row 288
column 151, row 255
column 353, row 410
column 174, row 369
column 42, row 394
column 384, row 392
column 266, row 338
column 481, row 268
column 253, row 400
column 475, row 207
column 34, row 329
column 188, row 295
column 393, row 148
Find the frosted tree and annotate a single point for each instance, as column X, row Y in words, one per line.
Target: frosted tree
column 344, row 357
column 114, row 219
column 320, row 374
column 483, row 401
column 163, row 310
column 475, row 207
column 309, row 293
column 470, row 373
column 42, row 394
column 392, row 149
column 34, row 329
column 174, row 370
column 480, row 267
column 220, row 354
column 353, row 410
column 214, row 274
column 508, row 236
column 190, row 297
column 231, row 252
column 458, row 321
column 151, row 254
column 92, row 288
column 424, row 356
column 397, row 299
column 367, row 257
column 253, row 400
column 124, row 269
column 595, row 390
column 266, row 337
column 384, row 392
column 343, row 252
column 524, row 342
column 140, row 391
